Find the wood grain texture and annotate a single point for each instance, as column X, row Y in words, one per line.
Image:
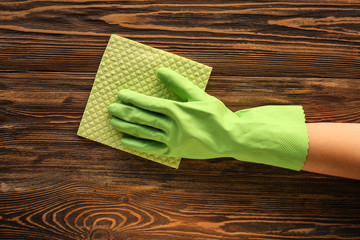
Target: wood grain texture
column 55, row 185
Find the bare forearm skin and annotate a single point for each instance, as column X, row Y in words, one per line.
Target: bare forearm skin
column 334, row 149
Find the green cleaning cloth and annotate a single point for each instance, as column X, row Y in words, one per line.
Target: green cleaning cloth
column 127, row 64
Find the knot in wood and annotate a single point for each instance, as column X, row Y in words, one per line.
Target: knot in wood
column 100, row 234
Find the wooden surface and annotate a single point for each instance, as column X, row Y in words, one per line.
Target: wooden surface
column 55, row 185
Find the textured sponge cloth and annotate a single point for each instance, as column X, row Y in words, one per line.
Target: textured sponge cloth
column 127, row 64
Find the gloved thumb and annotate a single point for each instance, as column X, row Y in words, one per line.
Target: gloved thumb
column 180, row 85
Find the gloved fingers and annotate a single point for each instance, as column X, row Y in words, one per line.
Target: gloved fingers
column 180, row 85
column 144, row 145
column 137, row 130
column 143, row 101
column 139, row 116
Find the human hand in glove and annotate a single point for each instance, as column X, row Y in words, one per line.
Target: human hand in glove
column 201, row 126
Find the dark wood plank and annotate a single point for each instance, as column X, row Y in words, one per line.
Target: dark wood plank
column 55, row 185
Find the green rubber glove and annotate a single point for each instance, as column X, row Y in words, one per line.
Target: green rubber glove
column 201, row 126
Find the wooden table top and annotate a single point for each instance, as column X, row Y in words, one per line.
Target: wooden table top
column 56, row 185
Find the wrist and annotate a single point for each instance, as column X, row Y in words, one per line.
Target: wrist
column 273, row 135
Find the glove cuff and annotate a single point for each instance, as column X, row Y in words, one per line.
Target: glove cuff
column 277, row 136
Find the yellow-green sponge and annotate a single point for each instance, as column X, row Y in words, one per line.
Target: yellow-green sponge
column 127, row 64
